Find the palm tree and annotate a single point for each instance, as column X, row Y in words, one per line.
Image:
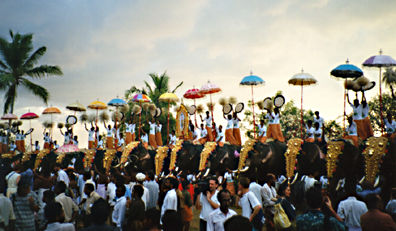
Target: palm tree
column 389, row 78
column 17, row 66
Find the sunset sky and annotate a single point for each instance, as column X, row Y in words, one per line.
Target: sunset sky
column 104, row 47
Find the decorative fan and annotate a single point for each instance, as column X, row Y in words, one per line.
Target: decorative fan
column 279, row 100
column 192, row 109
column 227, row 108
column 267, row 102
column 71, row 119
column 239, row 107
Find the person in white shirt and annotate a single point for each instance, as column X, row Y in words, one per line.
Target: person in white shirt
column 229, row 178
column 208, row 125
column 217, row 218
column 170, row 200
column 140, row 178
column 357, row 115
column 100, row 143
column 235, row 130
column 128, row 132
column 274, row 130
column 262, row 131
column 318, row 132
column 109, row 136
column 220, row 136
column 6, row 213
column 70, row 208
column 47, row 140
column 158, row 135
column 54, row 214
column 172, row 139
column 153, row 189
column 229, row 134
column 152, row 141
column 118, row 214
column 256, row 189
column 318, row 119
column 62, row 175
column 309, row 181
column 248, row 201
column 144, row 138
column 120, row 143
column 309, row 132
column 204, row 135
column 268, row 192
column 364, row 128
column 350, row 210
column 91, row 137
column 390, row 124
column 207, row 202
column 352, row 132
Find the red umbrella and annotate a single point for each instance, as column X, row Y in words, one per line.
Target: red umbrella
column 209, row 89
column 29, row 116
column 194, row 94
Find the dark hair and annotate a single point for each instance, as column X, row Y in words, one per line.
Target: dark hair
column 171, row 221
column 214, row 179
column 150, row 175
column 314, row 197
column 219, row 194
column 61, row 186
column 237, row 223
column 185, row 183
column 373, row 201
column 154, row 216
column 244, row 182
column 174, row 182
column 52, row 211
column 138, row 189
column 49, row 195
column 89, row 186
column 100, row 211
column 282, row 188
column 122, row 187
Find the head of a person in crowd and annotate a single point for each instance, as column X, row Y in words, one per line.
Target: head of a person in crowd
column 92, row 129
column 364, row 102
column 150, row 175
column 373, row 201
column 137, row 192
column 173, row 133
column 57, row 167
column 48, row 196
column 309, row 123
column 253, row 179
column 46, row 134
column 53, row 212
column 237, row 223
column 261, row 122
column 100, row 137
column 202, row 126
column 60, row 187
column 243, row 184
column 100, row 211
column 171, row 221
column 220, row 128
column 213, row 184
column 284, row 190
column 23, row 188
column 229, row 116
column 120, row 191
column 316, row 125
column 350, row 119
column 88, row 188
column 174, row 182
column 86, row 175
column 356, row 102
column 317, row 114
column 224, row 197
column 140, row 177
column 276, row 110
column 314, row 197
column 109, row 127
column 207, row 114
column 119, row 179
column 185, row 184
column 152, row 219
column 271, row 179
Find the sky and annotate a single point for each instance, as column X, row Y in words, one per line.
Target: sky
column 105, row 47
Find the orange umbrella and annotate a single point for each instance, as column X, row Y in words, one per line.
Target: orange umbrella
column 51, row 110
column 97, row 105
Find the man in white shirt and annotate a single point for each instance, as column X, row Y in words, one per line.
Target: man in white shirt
column 248, row 200
column 268, row 192
column 318, row 119
column 153, row 189
column 118, row 215
column 54, row 215
column 350, row 210
column 256, row 189
column 62, row 175
column 140, row 178
column 7, row 216
column 70, row 209
column 217, row 218
column 207, row 203
column 170, row 200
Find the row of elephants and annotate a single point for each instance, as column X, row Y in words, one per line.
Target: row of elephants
column 351, row 164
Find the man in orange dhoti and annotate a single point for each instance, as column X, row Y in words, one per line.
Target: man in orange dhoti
column 235, row 131
column 158, row 136
column 109, row 138
column 274, row 130
column 144, row 138
column 91, row 137
column 152, row 141
column 208, row 124
column 47, row 140
column 262, row 132
column 229, row 134
column 360, row 117
column 352, row 132
column 318, row 132
column 172, row 140
column 220, row 136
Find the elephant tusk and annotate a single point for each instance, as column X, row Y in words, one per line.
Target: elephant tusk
column 245, row 169
column 361, row 180
column 295, row 178
column 177, row 169
column 376, row 181
column 207, row 172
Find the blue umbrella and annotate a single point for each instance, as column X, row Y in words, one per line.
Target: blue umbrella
column 116, row 102
column 252, row 80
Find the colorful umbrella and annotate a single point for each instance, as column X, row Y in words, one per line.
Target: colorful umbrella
column 346, row 71
column 140, row 98
column 116, row 102
column 68, row 148
column 209, row 89
column 194, row 94
column 76, row 107
column 170, row 98
column 51, row 111
column 302, row 79
column 380, row 61
column 29, row 116
column 252, row 80
column 97, row 105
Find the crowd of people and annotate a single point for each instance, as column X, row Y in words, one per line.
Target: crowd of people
column 63, row 199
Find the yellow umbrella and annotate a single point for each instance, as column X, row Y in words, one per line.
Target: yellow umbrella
column 98, row 105
column 170, row 98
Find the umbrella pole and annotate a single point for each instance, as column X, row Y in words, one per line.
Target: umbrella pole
column 211, row 108
column 302, row 113
column 31, row 142
column 140, row 118
column 96, row 125
column 195, row 114
column 254, row 119
column 380, row 99
column 343, row 116
column 115, row 125
column 167, row 137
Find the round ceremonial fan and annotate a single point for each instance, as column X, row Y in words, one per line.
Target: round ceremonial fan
column 158, row 112
column 192, row 109
column 153, row 113
column 71, row 119
column 368, row 86
column 239, row 107
column 227, row 108
column 267, row 102
column 279, row 100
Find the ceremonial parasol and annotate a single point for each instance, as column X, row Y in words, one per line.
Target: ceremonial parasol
column 170, row 98
column 346, row 71
column 380, row 61
column 76, row 106
column 302, row 79
column 194, row 94
column 9, row 117
column 97, row 105
column 51, row 111
column 68, row 148
column 209, row 89
column 116, row 102
column 140, row 98
column 29, row 116
column 252, row 80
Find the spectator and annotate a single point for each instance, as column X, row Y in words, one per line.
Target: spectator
column 314, row 219
column 217, row 218
column 171, row 221
column 25, row 204
column 55, row 216
column 207, row 202
column 62, row 175
column 88, row 202
column 48, row 197
column 248, row 202
column 152, row 220
column 170, row 200
column 391, row 206
column 256, row 189
column 70, row 208
column 100, row 212
column 350, row 211
column 140, row 177
column 268, row 193
column 284, row 195
column 136, row 210
column 119, row 207
column 374, row 219
column 309, row 181
column 6, row 213
column 12, row 180
column 187, row 214
column 237, row 223
column 153, row 189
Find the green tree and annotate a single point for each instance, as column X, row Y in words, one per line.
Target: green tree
column 388, row 105
column 389, row 78
column 18, row 68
